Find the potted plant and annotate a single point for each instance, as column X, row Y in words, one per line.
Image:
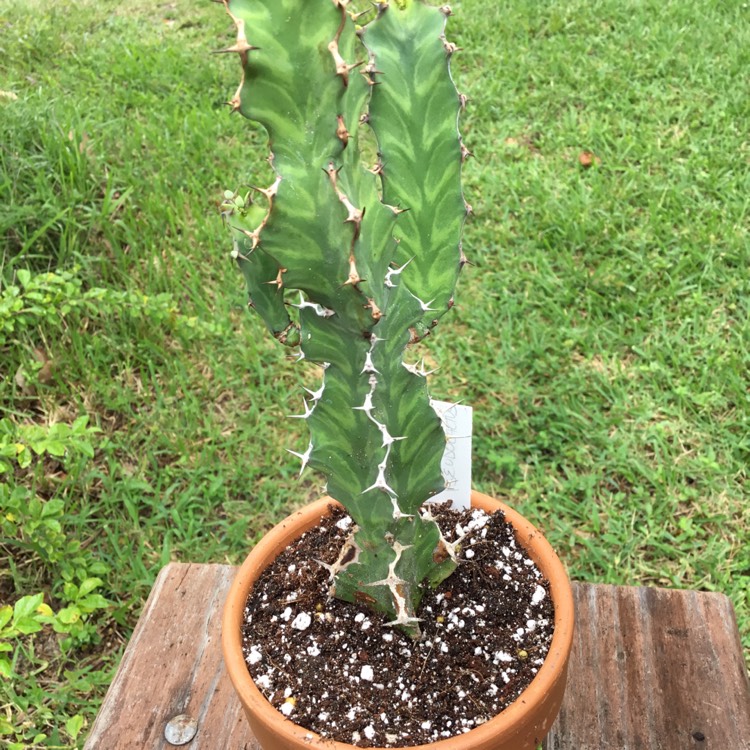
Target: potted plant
column 353, row 264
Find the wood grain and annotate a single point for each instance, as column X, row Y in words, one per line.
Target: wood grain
column 651, row 669
column 654, row 669
column 173, row 666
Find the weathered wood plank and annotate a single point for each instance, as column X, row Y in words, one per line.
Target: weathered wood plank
column 651, row 669
column 654, row 669
column 173, row 666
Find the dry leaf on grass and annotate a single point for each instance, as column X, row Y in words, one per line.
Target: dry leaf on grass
column 588, row 159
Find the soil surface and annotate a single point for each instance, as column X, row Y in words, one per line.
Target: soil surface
column 340, row 671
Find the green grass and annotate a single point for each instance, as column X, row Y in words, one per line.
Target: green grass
column 602, row 334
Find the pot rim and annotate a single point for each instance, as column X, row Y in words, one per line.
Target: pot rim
column 505, row 723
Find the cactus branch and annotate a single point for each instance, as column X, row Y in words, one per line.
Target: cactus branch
column 364, row 258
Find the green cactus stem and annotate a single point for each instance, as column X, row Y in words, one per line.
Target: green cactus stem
column 354, row 263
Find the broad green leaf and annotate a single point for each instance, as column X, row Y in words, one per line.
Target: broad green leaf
column 26, row 606
column 6, row 671
column 6, row 727
column 88, row 586
column 6, row 613
column 69, row 615
column 74, row 725
column 92, row 602
column 70, row 591
column 80, row 424
column 53, row 507
column 86, row 448
column 23, row 456
column 27, row 625
column 55, row 448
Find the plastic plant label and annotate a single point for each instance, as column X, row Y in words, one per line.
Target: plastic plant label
column 456, row 419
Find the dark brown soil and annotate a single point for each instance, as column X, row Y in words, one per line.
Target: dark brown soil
column 337, row 669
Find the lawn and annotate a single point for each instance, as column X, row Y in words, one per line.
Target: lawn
column 601, row 333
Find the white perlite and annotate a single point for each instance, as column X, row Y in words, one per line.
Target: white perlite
column 302, row 621
column 539, row 594
column 366, row 673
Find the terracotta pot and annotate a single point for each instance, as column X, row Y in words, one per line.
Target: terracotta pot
column 521, row 726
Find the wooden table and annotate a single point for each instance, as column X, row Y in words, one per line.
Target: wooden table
column 651, row 669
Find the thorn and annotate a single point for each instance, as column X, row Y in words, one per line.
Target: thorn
column 367, row 406
column 342, row 67
column 380, row 484
column 304, row 457
column 369, row 366
column 465, row 153
column 319, row 310
column 308, row 411
column 403, row 619
column 282, row 336
column 332, row 171
column 424, row 305
column 241, row 46
column 316, row 395
column 395, row 272
column 388, row 439
column 341, row 132
column 364, row 118
column 449, row 47
column 462, row 100
column 376, row 313
column 279, row 281
column 418, row 370
column 389, row 581
column 370, row 69
column 356, row 16
column 446, row 10
column 469, row 209
column 416, row 337
column 254, row 237
column 354, row 278
column 355, row 214
column 269, row 192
